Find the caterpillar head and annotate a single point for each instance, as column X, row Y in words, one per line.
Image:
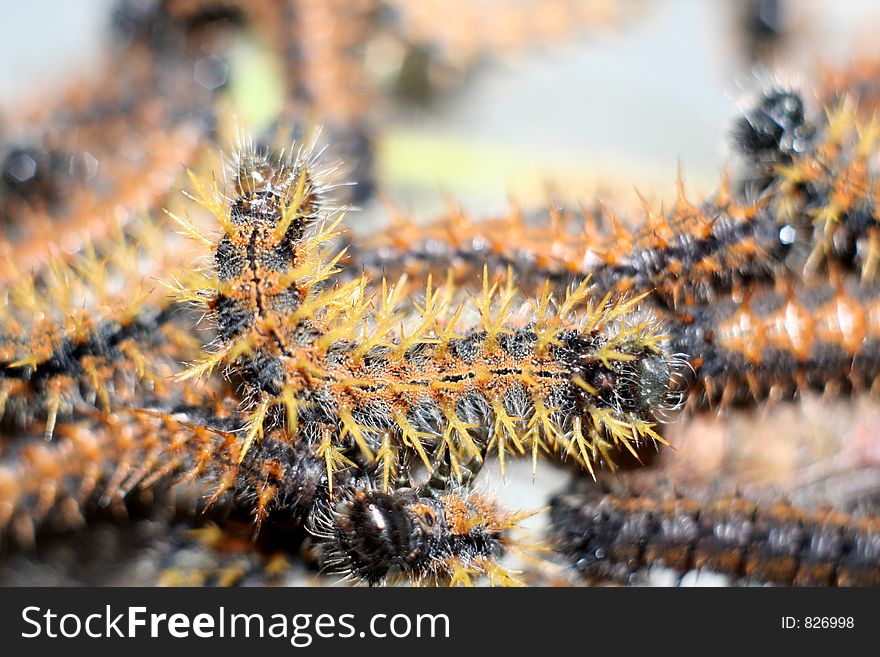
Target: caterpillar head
column 625, row 366
column 266, row 187
column 373, row 536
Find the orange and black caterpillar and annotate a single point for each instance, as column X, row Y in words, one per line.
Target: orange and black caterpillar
column 806, row 193
column 569, row 375
column 690, row 253
column 81, row 372
column 449, row 537
column 613, row 532
column 816, row 333
column 439, row 531
column 99, row 462
column 775, row 341
column 693, row 252
column 92, row 464
column 97, row 459
column 90, row 336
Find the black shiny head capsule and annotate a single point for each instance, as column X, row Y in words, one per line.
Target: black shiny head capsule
column 640, row 385
column 377, row 534
column 638, row 381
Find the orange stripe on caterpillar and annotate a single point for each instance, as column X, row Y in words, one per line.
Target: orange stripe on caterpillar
column 771, row 342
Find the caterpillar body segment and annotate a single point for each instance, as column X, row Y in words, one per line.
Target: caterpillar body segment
column 615, row 532
column 773, row 342
column 91, row 335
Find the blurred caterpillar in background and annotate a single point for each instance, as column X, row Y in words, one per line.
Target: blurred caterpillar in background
column 805, row 191
column 775, row 342
column 613, row 531
column 110, row 145
column 688, row 254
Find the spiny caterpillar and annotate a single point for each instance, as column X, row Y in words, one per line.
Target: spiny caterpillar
column 333, row 365
column 807, row 193
column 692, row 252
column 611, row 532
column 90, row 336
column 437, row 532
column 58, row 485
column 100, row 461
column 699, row 261
column 440, row 534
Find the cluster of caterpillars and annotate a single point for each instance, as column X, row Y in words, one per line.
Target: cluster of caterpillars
column 347, row 399
column 338, row 371
column 769, row 287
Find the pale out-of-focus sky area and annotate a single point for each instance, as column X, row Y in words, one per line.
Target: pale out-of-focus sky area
column 622, row 106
